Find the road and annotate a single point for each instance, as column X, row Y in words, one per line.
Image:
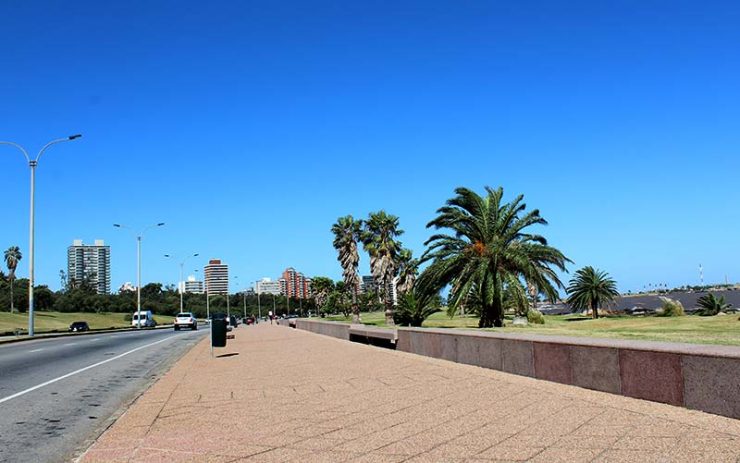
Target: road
column 57, row 395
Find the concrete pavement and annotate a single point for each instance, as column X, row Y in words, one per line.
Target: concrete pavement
column 278, row 394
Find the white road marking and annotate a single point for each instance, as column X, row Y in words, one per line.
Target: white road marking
column 70, row 344
column 52, row 381
column 95, row 339
column 36, row 350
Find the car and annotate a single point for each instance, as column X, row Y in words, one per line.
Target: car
column 147, row 319
column 79, row 326
column 233, row 321
column 250, row 320
column 185, row 320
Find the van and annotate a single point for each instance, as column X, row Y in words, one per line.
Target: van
column 147, row 319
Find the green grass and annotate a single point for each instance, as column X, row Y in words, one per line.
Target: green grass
column 49, row 321
column 721, row 329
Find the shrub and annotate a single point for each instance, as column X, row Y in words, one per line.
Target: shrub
column 671, row 308
column 710, row 305
column 536, row 317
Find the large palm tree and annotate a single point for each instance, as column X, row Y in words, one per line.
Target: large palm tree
column 488, row 244
column 346, row 235
column 591, row 289
column 12, row 257
column 321, row 287
column 408, row 268
column 379, row 237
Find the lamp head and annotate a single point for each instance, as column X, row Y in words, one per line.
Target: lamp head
column 160, row 224
column 117, row 225
column 74, row 137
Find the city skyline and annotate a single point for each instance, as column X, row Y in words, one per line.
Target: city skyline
column 299, row 114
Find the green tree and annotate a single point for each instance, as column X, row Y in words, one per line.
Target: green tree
column 414, row 307
column 12, row 257
column 379, row 237
column 591, row 289
column 489, row 243
column 346, row 235
column 709, row 305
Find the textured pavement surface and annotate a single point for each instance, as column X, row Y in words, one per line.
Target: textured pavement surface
column 276, row 394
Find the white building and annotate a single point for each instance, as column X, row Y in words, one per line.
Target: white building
column 193, row 286
column 90, row 263
column 267, row 286
column 217, row 277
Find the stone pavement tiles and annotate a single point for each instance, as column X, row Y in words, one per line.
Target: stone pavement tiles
column 276, row 394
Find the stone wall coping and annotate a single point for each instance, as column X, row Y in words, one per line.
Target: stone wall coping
column 709, row 350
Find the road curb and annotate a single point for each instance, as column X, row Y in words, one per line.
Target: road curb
column 83, row 333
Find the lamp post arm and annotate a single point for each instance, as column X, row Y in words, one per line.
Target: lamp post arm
column 22, row 150
column 53, row 142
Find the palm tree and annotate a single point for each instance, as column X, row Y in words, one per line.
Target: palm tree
column 321, row 287
column 12, row 257
column 591, row 289
column 711, row 305
column 346, row 235
column 408, row 267
column 489, row 242
column 379, row 239
column 414, row 307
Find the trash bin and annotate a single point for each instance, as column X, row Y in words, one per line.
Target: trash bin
column 218, row 330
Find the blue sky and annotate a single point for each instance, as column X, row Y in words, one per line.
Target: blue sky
column 249, row 127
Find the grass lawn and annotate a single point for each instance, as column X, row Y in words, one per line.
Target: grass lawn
column 49, row 321
column 720, row 329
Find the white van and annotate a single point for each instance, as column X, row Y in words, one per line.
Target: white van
column 147, row 319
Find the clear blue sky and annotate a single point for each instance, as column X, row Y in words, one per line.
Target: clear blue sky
column 249, row 127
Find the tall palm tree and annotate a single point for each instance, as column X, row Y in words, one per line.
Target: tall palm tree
column 591, row 289
column 12, row 257
column 321, row 287
column 379, row 237
column 489, row 243
column 408, row 268
column 346, row 235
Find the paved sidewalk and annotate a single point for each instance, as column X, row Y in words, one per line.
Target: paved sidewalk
column 277, row 394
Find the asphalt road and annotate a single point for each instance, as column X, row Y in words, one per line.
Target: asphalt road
column 57, row 395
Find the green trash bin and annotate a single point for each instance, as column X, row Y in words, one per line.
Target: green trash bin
column 218, row 330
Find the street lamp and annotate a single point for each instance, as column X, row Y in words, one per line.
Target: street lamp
column 32, row 163
column 138, row 265
column 259, row 306
column 181, row 283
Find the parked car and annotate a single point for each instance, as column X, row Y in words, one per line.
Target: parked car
column 185, row 320
column 147, row 319
column 79, row 326
column 250, row 320
column 233, row 321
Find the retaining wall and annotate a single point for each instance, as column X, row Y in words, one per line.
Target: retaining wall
column 702, row 377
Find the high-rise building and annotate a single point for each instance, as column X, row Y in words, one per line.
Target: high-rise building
column 89, row 264
column 368, row 284
column 217, row 277
column 267, row 286
column 193, row 286
column 295, row 284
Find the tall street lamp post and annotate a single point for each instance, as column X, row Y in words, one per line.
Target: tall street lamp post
column 181, row 283
column 259, row 306
column 32, row 163
column 138, row 265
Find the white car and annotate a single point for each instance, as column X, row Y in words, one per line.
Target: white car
column 147, row 319
column 185, row 320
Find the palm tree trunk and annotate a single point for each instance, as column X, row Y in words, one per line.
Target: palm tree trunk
column 594, row 310
column 12, row 309
column 388, row 307
column 498, row 304
column 355, row 307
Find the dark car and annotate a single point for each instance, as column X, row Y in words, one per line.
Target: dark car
column 79, row 326
column 250, row 320
column 233, row 321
